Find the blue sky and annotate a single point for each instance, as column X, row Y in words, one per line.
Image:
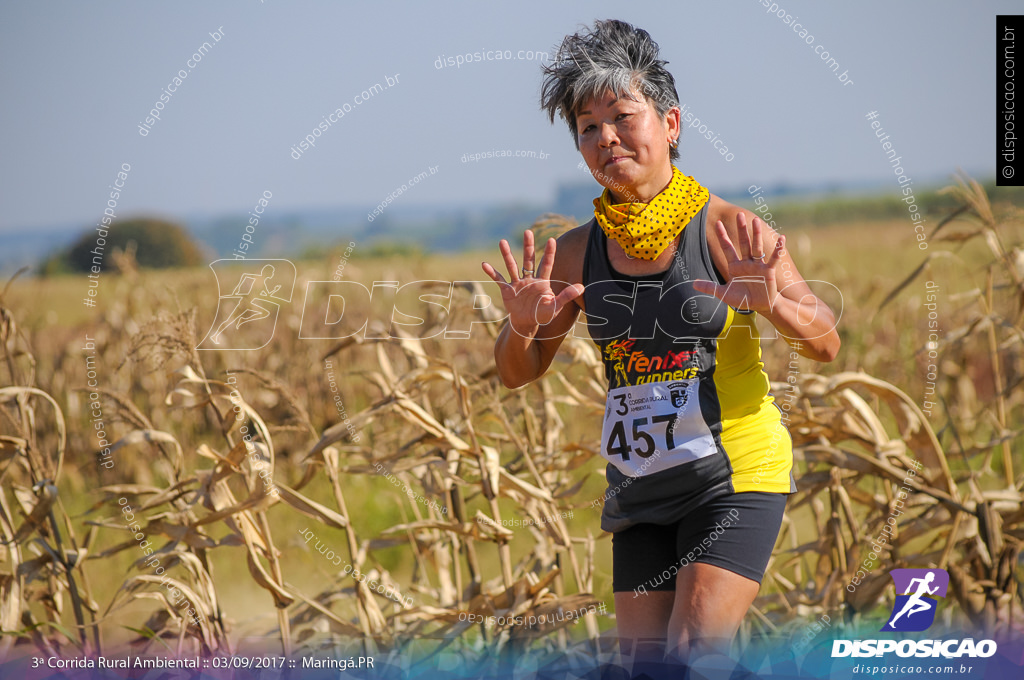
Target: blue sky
column 78, row 78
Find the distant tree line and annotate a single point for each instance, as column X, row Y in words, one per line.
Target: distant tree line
column 838, row 209
column 159, row 244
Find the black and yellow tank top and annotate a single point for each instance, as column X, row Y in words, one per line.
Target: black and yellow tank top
column 689, row 412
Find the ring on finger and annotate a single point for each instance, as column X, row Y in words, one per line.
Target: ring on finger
column 527, row 273
column 759, row 257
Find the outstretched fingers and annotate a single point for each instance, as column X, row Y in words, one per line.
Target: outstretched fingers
column 708, row 288
column 780, row 250
column 746, row 250
column 757, row 242
column 529, row 253
column 727, row 247
column 510, row 261
column 492, row 273
column 547, row 262
column 568, row 295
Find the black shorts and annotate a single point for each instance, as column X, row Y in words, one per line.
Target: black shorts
column 736, row 531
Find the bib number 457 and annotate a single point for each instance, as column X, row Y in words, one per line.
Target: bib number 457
column 640, row 442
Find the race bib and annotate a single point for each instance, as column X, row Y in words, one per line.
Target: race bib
column 654, row 426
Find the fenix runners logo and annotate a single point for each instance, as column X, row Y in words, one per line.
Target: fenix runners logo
column 258, row 289
column 916, row 593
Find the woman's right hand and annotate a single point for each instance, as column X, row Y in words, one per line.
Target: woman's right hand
column 529, row 298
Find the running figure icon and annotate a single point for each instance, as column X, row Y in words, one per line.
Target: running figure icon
column 259, row 291
column 914, row 603
column 918, row 592
column 250, row 307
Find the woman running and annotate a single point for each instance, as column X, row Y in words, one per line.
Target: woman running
column 669, row 277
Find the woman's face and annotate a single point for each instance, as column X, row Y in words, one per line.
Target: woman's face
column 626, row 145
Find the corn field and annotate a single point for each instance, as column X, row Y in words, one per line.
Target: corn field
column 219, row 457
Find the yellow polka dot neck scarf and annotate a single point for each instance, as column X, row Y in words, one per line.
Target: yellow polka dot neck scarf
column 644, row 230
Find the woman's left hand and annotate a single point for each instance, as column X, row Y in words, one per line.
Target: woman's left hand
column 751, row 272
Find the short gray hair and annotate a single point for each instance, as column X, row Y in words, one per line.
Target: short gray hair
column 612, row 56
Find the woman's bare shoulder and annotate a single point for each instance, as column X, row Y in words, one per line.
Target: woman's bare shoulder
column 575, row 237
column 571, row 248
column 721, row 209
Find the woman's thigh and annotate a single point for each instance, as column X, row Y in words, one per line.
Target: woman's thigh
column 726, row 548
column 640, row 556
column 736, row 532
column 710, row 603
column 695, row 578
column 644, row 617
column 643, row 602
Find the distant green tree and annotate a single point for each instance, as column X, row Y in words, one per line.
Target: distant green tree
column 159, row 244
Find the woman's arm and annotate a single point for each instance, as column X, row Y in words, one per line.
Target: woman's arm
column 773, row 287
column 541, row 309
